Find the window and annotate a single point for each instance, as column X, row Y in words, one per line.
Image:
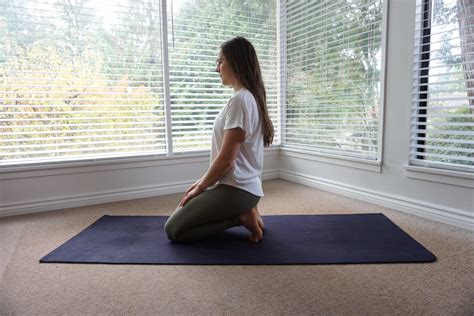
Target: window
column 80, row 80
column 84, row 80
column 333, row 77
column 443, row 86
column 196, row 28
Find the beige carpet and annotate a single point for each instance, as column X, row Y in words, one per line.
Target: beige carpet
column 445, row 287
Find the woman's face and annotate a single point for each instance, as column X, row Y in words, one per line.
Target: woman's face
column 225, row 70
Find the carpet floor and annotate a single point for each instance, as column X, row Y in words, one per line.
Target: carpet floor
column 445, row 287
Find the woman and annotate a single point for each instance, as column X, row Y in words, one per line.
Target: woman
column 241, row 130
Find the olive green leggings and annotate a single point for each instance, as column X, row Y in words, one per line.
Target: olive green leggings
column 212, row 211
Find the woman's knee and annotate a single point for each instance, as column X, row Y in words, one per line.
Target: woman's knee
column 171, row 229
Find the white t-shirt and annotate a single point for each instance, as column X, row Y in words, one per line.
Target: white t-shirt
column 241, row 111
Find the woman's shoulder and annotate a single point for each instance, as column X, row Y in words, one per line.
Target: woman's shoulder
column 243, row 96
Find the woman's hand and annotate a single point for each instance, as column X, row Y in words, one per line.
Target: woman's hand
column 193, row 191
column 193, row 186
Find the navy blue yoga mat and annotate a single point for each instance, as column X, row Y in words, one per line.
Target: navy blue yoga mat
column 289, row 239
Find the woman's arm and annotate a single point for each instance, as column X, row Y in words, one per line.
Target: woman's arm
column 224, row 161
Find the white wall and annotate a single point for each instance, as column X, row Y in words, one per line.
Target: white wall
column 388, row 185
column 87, row 184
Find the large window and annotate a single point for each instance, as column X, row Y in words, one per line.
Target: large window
column 196, row 28
column 443, row 86
column 80, row 80
column 84, row 80
column 333, row 76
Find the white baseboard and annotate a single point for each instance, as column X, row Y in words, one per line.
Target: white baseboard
column 435, row 212
column 104, row 197
column 92, row 199
column 438, row 213
column 271, row 174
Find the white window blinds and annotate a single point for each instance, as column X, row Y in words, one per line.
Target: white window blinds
column 80, row 80
column 443, row 85
column 196, row 29
column 333, row 72
column 83, row 80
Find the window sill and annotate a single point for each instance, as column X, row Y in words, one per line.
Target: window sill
column 457, row 178
column 370, row 165
column 71, row 167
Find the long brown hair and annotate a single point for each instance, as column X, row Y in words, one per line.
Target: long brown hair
column 241, row 55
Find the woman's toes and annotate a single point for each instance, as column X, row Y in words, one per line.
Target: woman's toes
column 253, row 239
column 256, row 237
column 257, row 232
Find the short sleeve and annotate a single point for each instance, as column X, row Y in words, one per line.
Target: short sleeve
column 236, row 115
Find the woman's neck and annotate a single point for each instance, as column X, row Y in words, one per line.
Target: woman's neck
column 237, row 86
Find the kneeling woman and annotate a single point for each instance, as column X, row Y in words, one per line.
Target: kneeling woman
column 228, row 193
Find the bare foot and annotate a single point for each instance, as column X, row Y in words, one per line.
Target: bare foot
column 250, row 221
column 260, row 220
